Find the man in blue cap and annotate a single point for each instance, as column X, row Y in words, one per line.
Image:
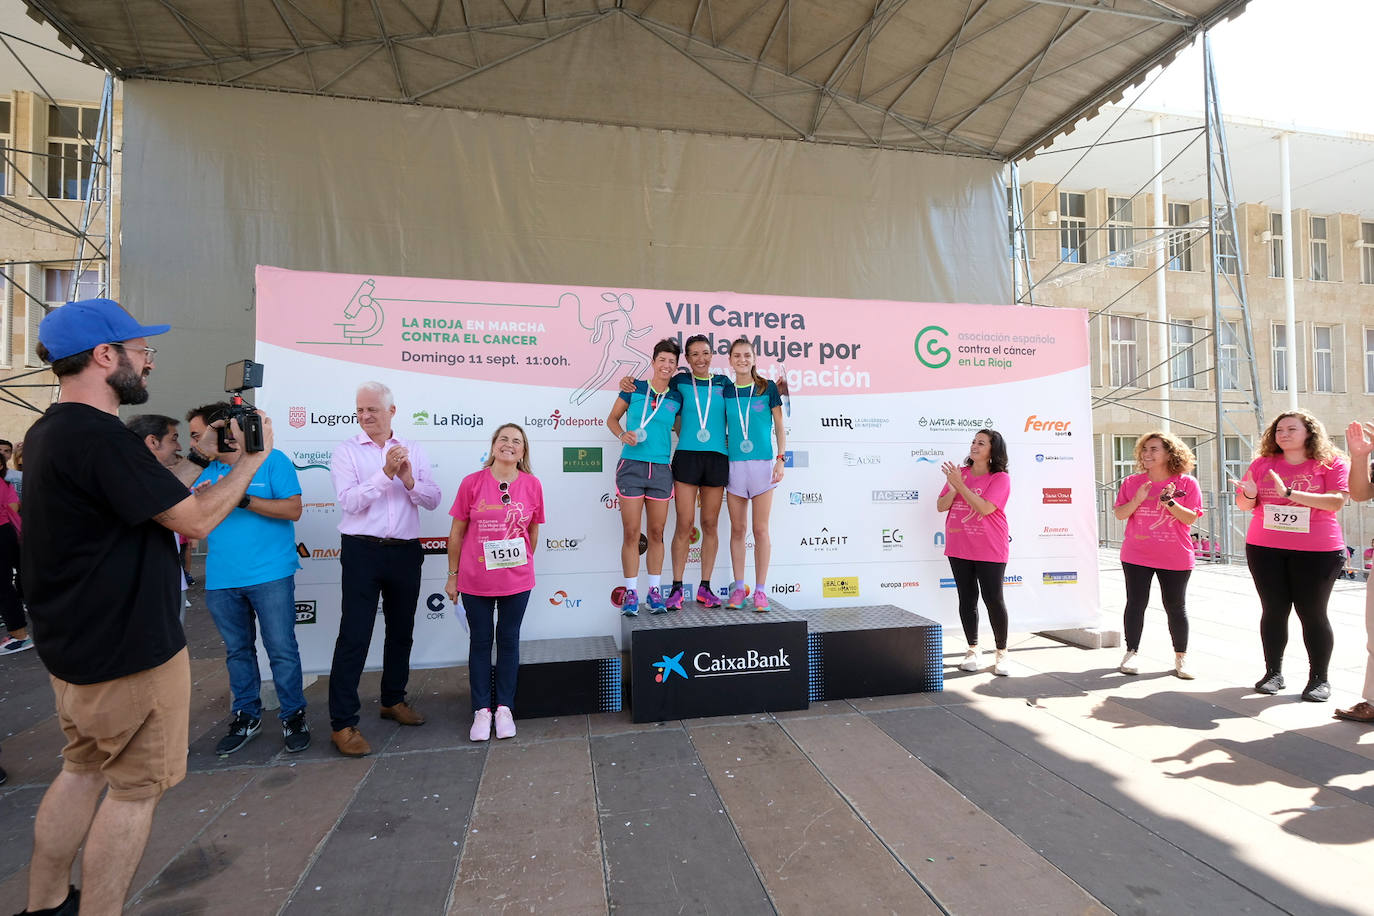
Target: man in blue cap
column 101, row 580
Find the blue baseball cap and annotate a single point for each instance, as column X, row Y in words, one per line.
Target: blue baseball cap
column 85, row 325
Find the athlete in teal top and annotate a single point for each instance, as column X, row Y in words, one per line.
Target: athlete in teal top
column 703, row 407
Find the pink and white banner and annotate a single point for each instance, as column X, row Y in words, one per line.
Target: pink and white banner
column 879, row 394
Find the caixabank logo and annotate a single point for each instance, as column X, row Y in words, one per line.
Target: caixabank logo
column 306, row 612
column 1064, row 577
column 709, row 664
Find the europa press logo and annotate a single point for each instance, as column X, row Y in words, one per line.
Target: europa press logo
column 296, row 417
column 929, row 347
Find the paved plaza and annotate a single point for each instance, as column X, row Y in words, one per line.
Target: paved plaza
column 1067, row 788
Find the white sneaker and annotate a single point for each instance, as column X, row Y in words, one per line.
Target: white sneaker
column 999, row 667
column 1181, row 669
column 481, row 725
column 505, row 722
column 1128, row 664
column 971, row 660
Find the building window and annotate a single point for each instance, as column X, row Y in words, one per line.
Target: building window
column 1322, row 358
column 1367, row 252
column 1073, row 227
column 1369, row 360
column 1278, row 355
column 1276, row 245
column 1012, row 227
column 1228, row 258
column 1181, row 365
column 1234, row 459
column 1123, row 458
column 57, row 285
column 1124, row 351
column 71, row 150
column 6, row 144
column 1120, row 232
column 1180, row 243
column 1320, row 268
column 1230, row 356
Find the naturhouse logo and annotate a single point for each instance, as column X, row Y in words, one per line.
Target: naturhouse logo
column 928, row 347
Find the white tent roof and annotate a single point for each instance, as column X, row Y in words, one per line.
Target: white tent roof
column 988, row 78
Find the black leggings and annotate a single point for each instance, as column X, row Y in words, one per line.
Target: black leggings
column 969, row 576
column 1300, row 580
column 11, row 607
column 1173, row 588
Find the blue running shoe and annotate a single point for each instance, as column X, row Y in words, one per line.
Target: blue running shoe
column 656, row 605
column 631, row 606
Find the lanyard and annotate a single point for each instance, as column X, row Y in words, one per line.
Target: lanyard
column 696, row 397
column 744, row 415
column 644, row 416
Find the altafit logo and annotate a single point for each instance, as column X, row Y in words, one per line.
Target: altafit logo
column 798, row 498
column 1056, row 496
column 823, row 541
column 1055, row 427
column 296, row 417
column 1067, row 577
column 895, row 496
column 306, row 612
column 556, row 420
column 560, row 599
column 930, row 349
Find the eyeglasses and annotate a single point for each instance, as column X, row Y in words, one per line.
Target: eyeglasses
column 151, row 351
column 505, row 493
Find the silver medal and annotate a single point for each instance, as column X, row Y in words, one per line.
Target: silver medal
column 640, row 435
column 703, row 435
column 746, row 446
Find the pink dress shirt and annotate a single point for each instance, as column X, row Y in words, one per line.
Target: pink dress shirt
column 372, row 503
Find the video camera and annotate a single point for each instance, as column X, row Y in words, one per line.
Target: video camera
column 239, row 377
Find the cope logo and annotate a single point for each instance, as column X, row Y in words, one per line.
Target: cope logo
column 560, row 599
column 296, row 417
column 436, row 603
column 434, row 546
column 305, row 612
column 930, row 349
column 1056, row 496
column 1055, row 427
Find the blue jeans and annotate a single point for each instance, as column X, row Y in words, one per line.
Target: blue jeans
column 508, row 610
column 273, row 605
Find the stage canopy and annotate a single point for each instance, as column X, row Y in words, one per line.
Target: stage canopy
column 988, row 78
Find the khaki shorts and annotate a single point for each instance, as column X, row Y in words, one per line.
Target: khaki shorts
column 132, row 729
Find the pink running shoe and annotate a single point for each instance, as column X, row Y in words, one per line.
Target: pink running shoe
column 737, row 598
column 761, row 602
column 674, row 602
column 706, row 597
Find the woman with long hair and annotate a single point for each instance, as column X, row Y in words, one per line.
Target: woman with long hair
column 1159, row 505
column 643, row 478
column 753, row 419
column 974, row 500
column 701, row 468
column 496, row 519
column 17, row 637
column 1294, row 546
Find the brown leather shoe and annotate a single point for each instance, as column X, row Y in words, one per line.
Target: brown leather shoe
column 1361, row 712
column 402, row 713
column 350, row 742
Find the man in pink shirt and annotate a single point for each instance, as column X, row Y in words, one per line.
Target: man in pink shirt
column 381, row 482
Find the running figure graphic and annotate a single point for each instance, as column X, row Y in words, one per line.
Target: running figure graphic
column 617, row 328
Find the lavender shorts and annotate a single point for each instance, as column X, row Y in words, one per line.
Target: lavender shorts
column 751, row 478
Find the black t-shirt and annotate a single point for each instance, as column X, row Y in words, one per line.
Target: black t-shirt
column 101, row 578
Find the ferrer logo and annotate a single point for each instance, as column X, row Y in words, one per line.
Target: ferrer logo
column 797, row 498
column 581, row 460
column 1057, row 427
column 840, row 587
column 1059, row 578
column 305, row 612
column 296, row 417
column 1056, row 496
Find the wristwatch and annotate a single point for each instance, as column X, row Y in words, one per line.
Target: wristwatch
column 243, row 503
column 1170, row 503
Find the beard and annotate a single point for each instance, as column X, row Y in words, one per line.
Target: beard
column 127, row 384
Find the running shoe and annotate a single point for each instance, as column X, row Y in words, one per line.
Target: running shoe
column 761, row 604
column 674, row 602
column 630, row 607
column 1318, row 690
column 295, row 734
column 737, row 598
column 971, row 660
column 999, row 664
column 12, row 645
column 1182, row 670
column 505, row 722
column 706, row 597
column 1128, row 663
column 242, row 728
column 1271, row 683
column 655, row 600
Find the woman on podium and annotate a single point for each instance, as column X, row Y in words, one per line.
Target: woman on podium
column 974, row 500
column 1294, row 546
column 496, row 519
column 1159, row 505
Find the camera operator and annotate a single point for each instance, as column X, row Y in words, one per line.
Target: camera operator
column 100, row 577
column 250, row 572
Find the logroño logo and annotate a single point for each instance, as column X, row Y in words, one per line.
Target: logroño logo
column 296, row 417
column 1056, row 496
column 556, row 420
column 1057, row 427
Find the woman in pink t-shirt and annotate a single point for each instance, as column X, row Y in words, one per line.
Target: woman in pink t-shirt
column 1294, row 546
column 974, row 499
column 1158, row 505
column 496, row 519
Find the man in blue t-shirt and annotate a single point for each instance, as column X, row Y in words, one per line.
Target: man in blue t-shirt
column 250, row 575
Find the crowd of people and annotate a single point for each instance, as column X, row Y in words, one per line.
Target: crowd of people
column 113, row 522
